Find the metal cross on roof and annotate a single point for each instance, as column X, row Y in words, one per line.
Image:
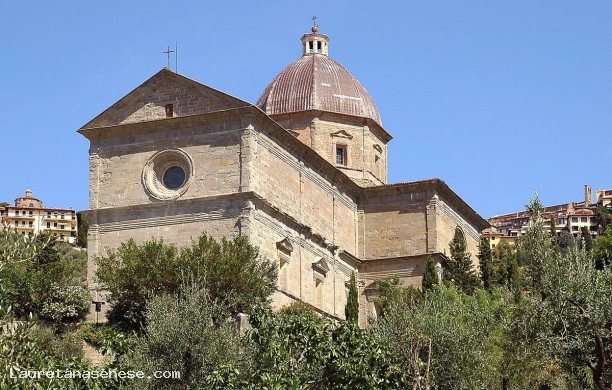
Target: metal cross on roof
column 168, row 53
column 314, row 20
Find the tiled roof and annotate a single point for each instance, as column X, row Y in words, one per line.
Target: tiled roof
column 317, row 82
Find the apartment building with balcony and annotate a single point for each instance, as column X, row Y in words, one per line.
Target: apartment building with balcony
column 29, row 216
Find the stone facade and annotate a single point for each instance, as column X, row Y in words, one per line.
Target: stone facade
column 365, row 141
column 274, row 179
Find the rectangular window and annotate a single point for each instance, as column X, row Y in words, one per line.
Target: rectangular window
column 31, row 213
column 319, row 293
column 583, row 219
column 282, row 275
column 62, row 227
column 54, row 224
column 62, row 216
column 169, row 110
column 30, row 224
column 48, row 225
column 574, row 219
column 341, row 154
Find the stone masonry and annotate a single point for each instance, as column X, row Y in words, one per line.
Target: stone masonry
column 274, row 179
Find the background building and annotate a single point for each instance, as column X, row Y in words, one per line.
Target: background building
column 570, row 218
column 28, row 216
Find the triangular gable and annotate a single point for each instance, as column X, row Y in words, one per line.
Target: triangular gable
column 321, row 267
column 341, row 134
column 149, row 100
column 285, row 246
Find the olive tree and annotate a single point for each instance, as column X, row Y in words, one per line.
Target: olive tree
column 574, row 299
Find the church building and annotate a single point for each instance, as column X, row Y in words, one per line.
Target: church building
column 302, row 173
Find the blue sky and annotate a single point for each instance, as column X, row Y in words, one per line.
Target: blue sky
column 498, row 99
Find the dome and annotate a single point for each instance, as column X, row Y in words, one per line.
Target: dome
column 317, row 82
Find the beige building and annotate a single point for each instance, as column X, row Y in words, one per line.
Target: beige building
column 570, row 218
column 28, row 216
column 604, row 198
column 303, row 173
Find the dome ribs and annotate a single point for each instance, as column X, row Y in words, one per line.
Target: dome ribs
column 317, row 82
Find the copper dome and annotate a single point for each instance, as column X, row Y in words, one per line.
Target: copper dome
column 316, row 82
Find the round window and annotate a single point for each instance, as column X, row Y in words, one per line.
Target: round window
column 167, row 174
column 174, row 177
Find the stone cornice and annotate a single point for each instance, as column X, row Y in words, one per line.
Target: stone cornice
column 235, row 197
column 164, row 123
column 358, row 121
column 399, row 259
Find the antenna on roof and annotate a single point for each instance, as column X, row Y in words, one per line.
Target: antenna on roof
column 175, row 56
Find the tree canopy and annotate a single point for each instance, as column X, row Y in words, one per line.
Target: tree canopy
column 459, row 268
column 231, row 271
column 351, row 311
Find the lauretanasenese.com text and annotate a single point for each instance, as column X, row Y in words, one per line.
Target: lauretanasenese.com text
column 92, row 374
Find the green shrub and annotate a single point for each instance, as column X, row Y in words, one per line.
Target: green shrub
column 231, row 271
column 107, row 337
column 66, row 304
column 33, row 268
column 190, row 333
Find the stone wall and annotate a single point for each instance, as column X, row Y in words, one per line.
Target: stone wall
column 148, row 102
column 177, row 223
column 297, row 276
column 448, row 220
column 118, row 159
column 409, row 269
column 367, row 150
column 394, row 226
column 303, row 192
